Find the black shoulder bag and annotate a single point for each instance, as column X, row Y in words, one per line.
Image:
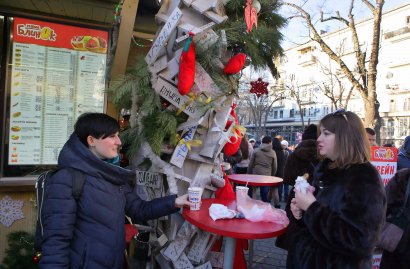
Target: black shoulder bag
column 395, row 230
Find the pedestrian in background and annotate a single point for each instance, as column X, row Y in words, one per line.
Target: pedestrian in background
column 247, row 151
column 89, row 233
column 280, row 160
column 395, row 191
column 283, row 189
column 263, row 162
column 340, row 218
column 403, row 158
column 371, row 135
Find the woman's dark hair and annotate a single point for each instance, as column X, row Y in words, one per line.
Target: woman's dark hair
column 98, row 125
column 276, row 145
column 244, row 147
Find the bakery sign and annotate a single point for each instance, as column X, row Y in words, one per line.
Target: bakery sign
column 385, row 161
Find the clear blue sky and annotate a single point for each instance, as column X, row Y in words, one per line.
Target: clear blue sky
column 296, row 32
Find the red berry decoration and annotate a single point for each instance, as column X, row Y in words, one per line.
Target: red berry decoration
column 186, row 74
column 235, row 64
column 259, row 87
column 36, row 258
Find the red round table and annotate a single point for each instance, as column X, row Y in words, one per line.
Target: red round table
column 230, row 228
column 255, row 180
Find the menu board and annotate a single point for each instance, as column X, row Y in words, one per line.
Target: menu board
column 57, row 73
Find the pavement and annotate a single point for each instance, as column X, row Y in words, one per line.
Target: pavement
column 266, row 254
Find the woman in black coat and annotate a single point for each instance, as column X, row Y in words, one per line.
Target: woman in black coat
column 395, row 192
column 90, row 233
column 340, row 218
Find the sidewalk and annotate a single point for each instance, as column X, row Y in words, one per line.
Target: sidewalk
column 266, row 255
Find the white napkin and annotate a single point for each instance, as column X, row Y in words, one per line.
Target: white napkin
column 218, row 211
column 301, row 184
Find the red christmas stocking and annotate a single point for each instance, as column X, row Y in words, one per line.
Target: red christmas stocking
column 186, row 74
column 235, row 64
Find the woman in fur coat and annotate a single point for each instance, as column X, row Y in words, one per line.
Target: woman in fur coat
column 340, row 217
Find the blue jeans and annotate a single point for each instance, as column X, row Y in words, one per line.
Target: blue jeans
column 264, row 190
column 283, row 188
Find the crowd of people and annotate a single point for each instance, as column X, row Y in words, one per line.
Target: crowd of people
column 335, row 224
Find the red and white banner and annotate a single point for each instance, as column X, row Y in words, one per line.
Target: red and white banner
column 385, row 161
column 60, row 36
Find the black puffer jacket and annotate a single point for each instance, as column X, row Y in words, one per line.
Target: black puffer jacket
column 90, row 234
column 340, row 229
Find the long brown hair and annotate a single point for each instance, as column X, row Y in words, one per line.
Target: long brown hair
column 351, row 143
column 244, row 147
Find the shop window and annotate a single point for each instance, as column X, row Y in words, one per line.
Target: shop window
column 50, row 82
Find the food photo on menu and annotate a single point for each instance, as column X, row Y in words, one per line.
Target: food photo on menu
column 89, row 43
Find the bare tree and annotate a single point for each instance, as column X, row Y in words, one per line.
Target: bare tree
column 257, row 108
column 298, row 93
column 365, row 84
column 334, row 88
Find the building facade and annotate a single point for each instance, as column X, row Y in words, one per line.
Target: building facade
column 315, row 86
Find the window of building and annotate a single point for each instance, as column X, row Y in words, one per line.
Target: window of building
column 390, row 128
column 275, row 114
column 292, row 113
column 403, row 126
column 281, row 114
column 406, row 106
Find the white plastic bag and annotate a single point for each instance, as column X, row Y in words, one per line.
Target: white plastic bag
column 256, row 211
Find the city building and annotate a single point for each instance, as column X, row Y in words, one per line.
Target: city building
column 308, row 73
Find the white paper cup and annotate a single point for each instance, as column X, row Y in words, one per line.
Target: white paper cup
column 194, row 196
column 242, row 189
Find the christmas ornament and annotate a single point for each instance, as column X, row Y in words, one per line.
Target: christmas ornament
column 36, row 257
column 235, row 64
column 259, row 87
column 251, row 16
column 186, row 74
column 256, row 5
column 10, row 211
column 235, row 140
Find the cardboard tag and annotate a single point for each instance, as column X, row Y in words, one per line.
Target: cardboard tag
column 183, row 262
column 203, row 5
column 159, row 65
column 163, row 36
column 181, row 150
column 149, row 179
column 171, row 94
column 197, row 251
column 216, row 259
column 215, row 17
column 206, row 265
column 206, row 39
column 205, row 82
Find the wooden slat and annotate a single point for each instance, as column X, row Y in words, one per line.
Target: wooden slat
column 41, row 6
column 84, row 11
column 57, row 7
column 99, row 13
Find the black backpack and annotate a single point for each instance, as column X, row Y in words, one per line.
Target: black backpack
column 42, row 180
